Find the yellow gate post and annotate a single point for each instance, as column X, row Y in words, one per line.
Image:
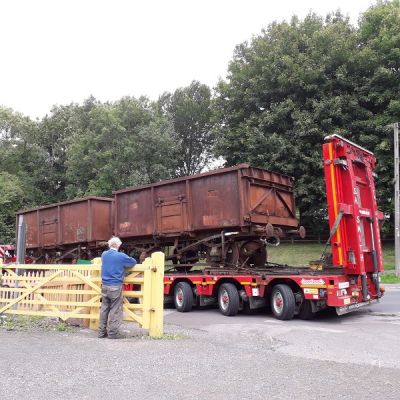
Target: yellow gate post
column 95, row 311
column 146, row 288
column 156, row 328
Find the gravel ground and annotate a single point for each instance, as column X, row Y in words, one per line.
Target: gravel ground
column 186, row 364
column 208, row 356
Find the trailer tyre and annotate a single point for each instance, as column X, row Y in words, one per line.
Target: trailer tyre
column 283, row 302
column 228, row 299
column 183, row 297
column 306, row 310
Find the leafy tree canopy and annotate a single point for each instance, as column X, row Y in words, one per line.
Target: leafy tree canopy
column 12, row 198
column 302, row 80
column 190, row 111
column 118, row 145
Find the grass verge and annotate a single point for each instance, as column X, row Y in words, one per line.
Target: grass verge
column 297, row 254
column 170, row 336
column 24, row 323
column 390, row 278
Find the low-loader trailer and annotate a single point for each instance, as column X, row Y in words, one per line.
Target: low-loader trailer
column 345, row 279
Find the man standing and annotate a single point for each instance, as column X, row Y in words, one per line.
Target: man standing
column 112, row 276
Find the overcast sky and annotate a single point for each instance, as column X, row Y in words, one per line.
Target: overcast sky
column 59, row 51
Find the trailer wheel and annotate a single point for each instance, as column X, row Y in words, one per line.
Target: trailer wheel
column 306, row 310
column 228, row 299
column 282, row 302
column 183, row 297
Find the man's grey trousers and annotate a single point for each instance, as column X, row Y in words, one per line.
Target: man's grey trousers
column 111, row 310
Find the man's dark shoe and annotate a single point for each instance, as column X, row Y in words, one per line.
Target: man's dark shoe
column 117, row 336
column 102, row 335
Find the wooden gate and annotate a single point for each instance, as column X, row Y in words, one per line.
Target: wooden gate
column 74, row 291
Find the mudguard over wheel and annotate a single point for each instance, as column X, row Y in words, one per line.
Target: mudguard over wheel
column 228, row 299
column 305, row 311
column 283, row 302
column 183, row 297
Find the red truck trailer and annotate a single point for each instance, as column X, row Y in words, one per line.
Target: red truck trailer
column 7, row 253
column 345, row 280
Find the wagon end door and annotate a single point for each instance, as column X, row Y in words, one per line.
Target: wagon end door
column 272, row 203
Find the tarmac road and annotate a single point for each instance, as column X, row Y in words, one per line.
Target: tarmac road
column 355, row 356
column 369, row 336
column 391, row 301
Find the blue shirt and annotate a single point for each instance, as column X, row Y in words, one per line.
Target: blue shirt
column 113, row 266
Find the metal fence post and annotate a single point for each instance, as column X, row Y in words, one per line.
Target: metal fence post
column 21, row 240
column 21, row 248
column 396, row 200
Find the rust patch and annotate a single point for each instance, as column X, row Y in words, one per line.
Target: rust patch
column 134, row 205
column 80, row 233
column 125, row 226
column 210, row 220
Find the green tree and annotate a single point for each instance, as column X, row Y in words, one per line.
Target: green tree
column 286, row 90
column 378, row 89
column 20, row 155
column 300, row 81
column 190, row 111
column 124, row 143
column 12, row 199
column 54, row 132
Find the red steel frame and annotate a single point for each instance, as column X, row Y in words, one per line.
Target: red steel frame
column 351, row 194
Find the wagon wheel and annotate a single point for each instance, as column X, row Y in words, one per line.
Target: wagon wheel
column 253, row 253
column 188, row 257
column 145, row 251
column 212, row 260
column 232, row 254
column 133, row 252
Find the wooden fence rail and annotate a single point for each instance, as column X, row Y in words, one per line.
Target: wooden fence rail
column 74, row 291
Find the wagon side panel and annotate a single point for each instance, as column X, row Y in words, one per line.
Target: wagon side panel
column 134, row 216
column 100, row 220
column 32, row 229
column 75, row 224
column 48, row 227
column 171, row 209
column 215, row 202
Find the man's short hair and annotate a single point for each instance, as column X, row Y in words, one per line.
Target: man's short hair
column 114, row 242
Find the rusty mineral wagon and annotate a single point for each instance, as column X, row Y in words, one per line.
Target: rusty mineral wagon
column 226, row 216
column 69, row 230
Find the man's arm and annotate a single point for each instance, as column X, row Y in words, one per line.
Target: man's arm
column 128, row 261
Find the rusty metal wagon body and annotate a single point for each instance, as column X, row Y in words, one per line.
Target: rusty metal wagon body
column 227, row 215
column 68, row 230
